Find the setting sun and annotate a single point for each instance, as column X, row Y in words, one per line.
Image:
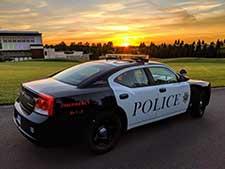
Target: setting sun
column 125, row 40
column 125, row 44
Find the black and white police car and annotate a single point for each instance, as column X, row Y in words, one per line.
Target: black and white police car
column 102, row 99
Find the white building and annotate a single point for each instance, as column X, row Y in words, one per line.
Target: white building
column 20, row 44
column 50, row 53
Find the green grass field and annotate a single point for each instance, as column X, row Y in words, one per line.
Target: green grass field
column 13, row 74
column 212, row 70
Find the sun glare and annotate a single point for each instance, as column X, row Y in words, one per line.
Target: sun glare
column 125, row 44
column 125, row 41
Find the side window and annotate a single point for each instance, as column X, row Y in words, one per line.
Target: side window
column 163, row 75
column 133, row 78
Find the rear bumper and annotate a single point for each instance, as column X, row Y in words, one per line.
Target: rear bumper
column 23, row 131
column 44, row 129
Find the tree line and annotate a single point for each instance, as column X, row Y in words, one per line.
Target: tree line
column 181, row 49
column 178, row 49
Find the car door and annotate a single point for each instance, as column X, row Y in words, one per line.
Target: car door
column 135, row 95
column 173, row 94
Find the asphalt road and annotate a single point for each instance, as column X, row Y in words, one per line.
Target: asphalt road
column 179, row 142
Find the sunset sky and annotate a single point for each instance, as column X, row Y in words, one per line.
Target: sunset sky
column 125, row 22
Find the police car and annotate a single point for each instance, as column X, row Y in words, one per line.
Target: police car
column 102, row 99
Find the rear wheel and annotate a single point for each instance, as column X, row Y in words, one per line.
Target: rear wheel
column 103, row 133
column 198, row 105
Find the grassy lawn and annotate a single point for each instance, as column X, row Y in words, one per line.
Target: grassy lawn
column 13, row 74
column 212, row 70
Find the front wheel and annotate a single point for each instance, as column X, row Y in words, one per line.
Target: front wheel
column 198, row 105
column 103, row 133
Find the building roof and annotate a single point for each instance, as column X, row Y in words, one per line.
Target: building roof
column 18, row 33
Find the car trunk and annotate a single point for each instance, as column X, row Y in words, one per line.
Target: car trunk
column 27, row 99
column 30, row 91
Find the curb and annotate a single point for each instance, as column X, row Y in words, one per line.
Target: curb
column 218, row 88
column 6, row 106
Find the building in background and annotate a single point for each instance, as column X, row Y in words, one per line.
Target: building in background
column 20, row 44
column 50, row 53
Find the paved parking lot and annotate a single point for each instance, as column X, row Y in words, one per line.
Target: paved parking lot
column 179, row 142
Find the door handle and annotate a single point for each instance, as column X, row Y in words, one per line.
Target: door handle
column 124, row 96
column 162, row 90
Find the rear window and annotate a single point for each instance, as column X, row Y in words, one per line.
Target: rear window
column 77, row 74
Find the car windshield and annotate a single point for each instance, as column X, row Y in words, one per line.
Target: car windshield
column 77, row 74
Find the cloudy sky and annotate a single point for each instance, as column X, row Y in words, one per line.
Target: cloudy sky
column 121, row 21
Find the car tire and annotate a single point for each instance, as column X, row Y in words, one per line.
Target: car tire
column 198, row 105
column 103, row 133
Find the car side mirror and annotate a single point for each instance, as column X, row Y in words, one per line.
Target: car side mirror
column 183, row 72
column 183, row 75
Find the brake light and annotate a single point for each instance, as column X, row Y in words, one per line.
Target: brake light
column 44, row 104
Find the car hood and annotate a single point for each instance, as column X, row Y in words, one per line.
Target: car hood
column 199, row 82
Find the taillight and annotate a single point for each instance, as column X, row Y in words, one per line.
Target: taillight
column 44, row 105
